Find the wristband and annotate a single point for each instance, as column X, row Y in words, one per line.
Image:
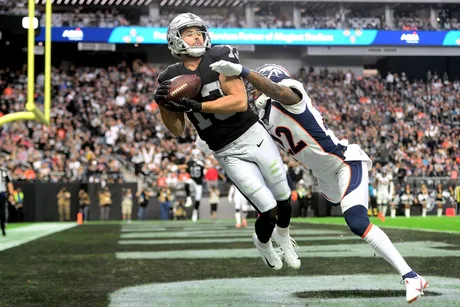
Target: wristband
column 244, row 72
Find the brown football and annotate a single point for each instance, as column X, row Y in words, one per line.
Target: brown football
column 184, row 86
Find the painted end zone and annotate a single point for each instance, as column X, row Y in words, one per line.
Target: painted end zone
column 281, row 291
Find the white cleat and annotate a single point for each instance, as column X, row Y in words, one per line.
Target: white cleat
column 188, row 202
column 194, row 215
column 269, row 255
column 414, row 288
column 288, row 248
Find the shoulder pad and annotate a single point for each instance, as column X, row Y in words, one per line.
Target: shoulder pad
column 167, row 73
column 224, row 52
column 297, row 86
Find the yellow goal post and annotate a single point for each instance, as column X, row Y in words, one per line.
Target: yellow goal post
column 32, row 112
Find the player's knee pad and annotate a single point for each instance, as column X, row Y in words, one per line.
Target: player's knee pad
column 265, row 224
column 284, row 212
column 357, row 219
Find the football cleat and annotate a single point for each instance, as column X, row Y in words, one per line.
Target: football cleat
column 238, row 225
column 188, row 202
column 414, row 287
column 244, row 223
column 269, row 255
column 195, row 215
column 288, row 248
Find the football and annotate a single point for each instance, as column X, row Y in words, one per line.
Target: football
column 184, row 86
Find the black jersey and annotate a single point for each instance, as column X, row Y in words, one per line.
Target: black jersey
column 217, row 130
column 196, row 171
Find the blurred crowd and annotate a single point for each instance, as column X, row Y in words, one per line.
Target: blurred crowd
column 447, row 18
column 414, row 125
column 105, row 125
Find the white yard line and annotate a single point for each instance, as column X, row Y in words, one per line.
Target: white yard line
column 407, row 249
column 229, row 240
column 18, row 236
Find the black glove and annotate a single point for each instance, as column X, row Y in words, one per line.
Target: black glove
column 175, row 107
column 162, row 91
column 192, row 105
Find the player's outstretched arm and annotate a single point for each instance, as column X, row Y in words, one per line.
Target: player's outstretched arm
column 278, row 92
column 174, row 121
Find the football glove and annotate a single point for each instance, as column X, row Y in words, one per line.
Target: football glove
column 162, row 91
column 229, row 69
column 184, row 105
column 261, row 102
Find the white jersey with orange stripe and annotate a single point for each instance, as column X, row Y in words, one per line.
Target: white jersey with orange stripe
column 299, row 130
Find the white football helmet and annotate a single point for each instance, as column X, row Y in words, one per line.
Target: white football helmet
column 177, row 45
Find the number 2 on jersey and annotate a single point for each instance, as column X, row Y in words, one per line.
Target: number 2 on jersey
column 294, row 148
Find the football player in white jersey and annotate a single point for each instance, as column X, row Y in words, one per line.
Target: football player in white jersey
column 385, row 189
column 241, row 206
column 342, row 170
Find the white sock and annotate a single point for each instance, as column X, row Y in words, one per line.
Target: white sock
column 265, row 245
column 407, row 212
column 380, row 208
column 380, row 242
column 423, row 212
column 393, row 212
column 384, row 211
column 238, row 217
column 439, row 211
column 282, row 231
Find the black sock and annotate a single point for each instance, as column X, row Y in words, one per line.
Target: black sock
column 284, row 213
column 265, row 224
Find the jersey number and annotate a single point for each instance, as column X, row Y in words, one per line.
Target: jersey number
column 294, row 148
column 204, row 119
column 195, row 171
column 233, row 52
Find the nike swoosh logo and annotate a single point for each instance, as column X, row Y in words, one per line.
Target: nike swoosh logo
column 268, row 263
column 258, row 145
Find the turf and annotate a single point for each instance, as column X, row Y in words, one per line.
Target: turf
column 444, row 223
column 78, row 267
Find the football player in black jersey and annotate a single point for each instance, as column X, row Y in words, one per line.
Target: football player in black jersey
column 195, row 168
column 223, row 121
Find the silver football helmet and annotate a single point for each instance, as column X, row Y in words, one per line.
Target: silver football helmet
column 177, row 45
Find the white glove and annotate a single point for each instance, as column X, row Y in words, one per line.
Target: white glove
column 227, row 68
column 261, row 102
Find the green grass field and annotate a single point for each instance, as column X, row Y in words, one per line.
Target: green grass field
column 443, row 223
column 18, row 225
column 214, row 264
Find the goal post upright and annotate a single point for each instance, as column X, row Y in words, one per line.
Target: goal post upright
column 33, row 113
